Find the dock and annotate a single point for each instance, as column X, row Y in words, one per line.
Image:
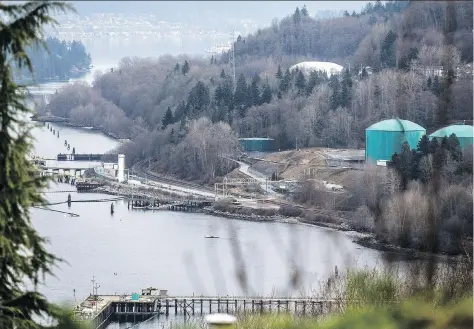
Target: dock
column 69, row 168
column 100, row 310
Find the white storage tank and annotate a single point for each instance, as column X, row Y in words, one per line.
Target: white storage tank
column 121, row 168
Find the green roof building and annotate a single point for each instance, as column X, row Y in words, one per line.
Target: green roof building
column 384, row 138
column 464, row 133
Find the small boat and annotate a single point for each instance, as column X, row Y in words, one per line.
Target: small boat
column 139, row 207
column 211, row 237
column 153, row 208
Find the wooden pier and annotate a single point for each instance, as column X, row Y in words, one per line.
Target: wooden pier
column 113, row 305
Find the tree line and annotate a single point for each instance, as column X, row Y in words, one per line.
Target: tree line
column 60, row 60
column 163, row 96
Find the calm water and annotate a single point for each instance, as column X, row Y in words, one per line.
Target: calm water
column 132, row 250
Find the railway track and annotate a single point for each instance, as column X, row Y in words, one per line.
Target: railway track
column 139, row 168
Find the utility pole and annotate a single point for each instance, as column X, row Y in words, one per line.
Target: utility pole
column 232, row 60
column 93, row 282
column 133, row 185
column 95, row 288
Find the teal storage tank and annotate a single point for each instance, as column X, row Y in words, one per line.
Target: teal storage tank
column 257, row 144
column 384, row 138
column 463, row 132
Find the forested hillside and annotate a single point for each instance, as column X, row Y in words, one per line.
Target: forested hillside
column 358, row 39
column 61, row 61
column 181, row 111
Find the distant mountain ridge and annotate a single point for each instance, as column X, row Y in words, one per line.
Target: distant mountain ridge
column 216, row 13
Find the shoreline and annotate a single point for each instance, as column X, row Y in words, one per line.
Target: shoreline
column 41, row 81
column 60, row 121
column 364, row 239
column 368, row 240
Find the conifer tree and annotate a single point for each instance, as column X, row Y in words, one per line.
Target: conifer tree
column 286, row 81
column 423, row 145
column 23, row 255
column 279, row 74
column 387, row 52
column 167, row 119
column 304, row 11
column 254, row 92
column 300, row 83
column 454, row 147
column 445, row 99
column 346, row 89
column 336, row 91
column 185, row 68
column 266, row 93
column 297, row 16
column 240, row 95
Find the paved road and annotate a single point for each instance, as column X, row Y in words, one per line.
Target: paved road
column 244, row 169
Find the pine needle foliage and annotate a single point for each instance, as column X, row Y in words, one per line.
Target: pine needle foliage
column 24, row 260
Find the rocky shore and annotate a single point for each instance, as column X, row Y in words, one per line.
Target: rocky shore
column 252, row 217
column 368, row 240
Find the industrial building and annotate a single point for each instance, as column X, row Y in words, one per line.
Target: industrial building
column 463, row 132
column 256, row 144
column 384, row 138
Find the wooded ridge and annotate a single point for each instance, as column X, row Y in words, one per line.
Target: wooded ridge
column 406, row 59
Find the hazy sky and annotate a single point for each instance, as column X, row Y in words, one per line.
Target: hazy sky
column 195, row 11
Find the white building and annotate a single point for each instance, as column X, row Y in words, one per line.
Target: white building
column 328, row 67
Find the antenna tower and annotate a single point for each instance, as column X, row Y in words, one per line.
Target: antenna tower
column 232, row 60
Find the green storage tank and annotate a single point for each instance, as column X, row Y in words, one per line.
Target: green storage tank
column 257, row 144
column 384, row 138
column 463, row 132
column 135, row 297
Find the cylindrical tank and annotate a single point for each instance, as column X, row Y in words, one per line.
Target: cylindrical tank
column 464, row 133
column 384, row 138
column 257, row 144
column 121, row 168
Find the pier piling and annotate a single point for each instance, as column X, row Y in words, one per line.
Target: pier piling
column 106, row 306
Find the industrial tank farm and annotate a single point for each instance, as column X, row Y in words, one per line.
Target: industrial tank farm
column 384, row 138
column 463, row 132
column 256, row 144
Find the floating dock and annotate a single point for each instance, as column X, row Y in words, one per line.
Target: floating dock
column 100, row 310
